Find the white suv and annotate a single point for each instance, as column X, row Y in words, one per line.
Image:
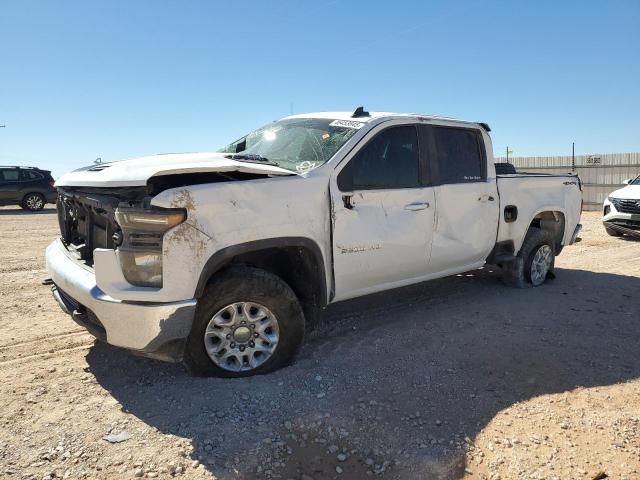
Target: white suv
column 621, row 210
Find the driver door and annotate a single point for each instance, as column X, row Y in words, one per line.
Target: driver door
column 383, row 214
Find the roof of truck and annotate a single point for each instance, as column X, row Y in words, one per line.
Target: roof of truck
column 378, row 115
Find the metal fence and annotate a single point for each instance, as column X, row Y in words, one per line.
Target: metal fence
column 600, row 174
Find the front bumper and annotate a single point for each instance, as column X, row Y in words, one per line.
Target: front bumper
column 157, row 330
column 628, row 227
column 627, row 223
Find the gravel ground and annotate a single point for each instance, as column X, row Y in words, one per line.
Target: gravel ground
column 460, row 378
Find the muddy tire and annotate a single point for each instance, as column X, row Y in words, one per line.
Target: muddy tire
column 33, row 202
column 535, row 262
column 612, row 232
column 248, row 322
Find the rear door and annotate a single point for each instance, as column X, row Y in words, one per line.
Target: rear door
column 30, row 181
column 382, row 213
column 466, row 198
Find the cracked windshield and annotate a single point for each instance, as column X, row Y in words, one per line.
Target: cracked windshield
column 298, row 145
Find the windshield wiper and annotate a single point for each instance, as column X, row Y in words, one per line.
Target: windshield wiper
column 251, row 158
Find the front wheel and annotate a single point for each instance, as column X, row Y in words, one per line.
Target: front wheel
column 247, row 322
column 535, row 262
column 33, row 202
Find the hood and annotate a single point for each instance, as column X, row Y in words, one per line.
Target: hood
column 630, row 192
column 137, row 171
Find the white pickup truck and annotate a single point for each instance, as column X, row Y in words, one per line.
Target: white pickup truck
column 219, row 259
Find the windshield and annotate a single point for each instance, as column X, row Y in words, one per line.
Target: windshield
column 299, row 144
column 635, row 182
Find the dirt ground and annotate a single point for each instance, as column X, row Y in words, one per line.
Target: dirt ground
column 460, row 378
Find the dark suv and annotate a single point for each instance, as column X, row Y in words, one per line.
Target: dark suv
column 29, row 187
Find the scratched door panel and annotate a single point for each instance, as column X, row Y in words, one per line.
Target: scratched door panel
column 383, row 240
column 466, row 224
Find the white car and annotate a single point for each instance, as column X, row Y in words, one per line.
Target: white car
column 621, row 210
column 220, row 259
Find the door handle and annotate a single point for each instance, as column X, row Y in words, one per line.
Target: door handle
column 416, row 206
column 484, row 198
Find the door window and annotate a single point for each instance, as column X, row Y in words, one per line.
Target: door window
column 458, row 157
column 8, row 174
column 389, row 160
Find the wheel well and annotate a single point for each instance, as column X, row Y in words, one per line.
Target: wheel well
column 553, row 222
column 301, row 267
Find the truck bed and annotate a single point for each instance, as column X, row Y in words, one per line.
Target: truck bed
column 532, row 193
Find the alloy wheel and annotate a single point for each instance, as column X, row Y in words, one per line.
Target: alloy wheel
column 541, row 264
column 241, row 336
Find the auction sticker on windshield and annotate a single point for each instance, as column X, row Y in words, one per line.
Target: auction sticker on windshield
column 347, row 124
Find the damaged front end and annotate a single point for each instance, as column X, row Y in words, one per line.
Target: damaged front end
column 122, row 265
column 87, row 217
column 122, row 219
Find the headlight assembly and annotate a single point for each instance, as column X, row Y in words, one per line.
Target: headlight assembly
column 140, row 242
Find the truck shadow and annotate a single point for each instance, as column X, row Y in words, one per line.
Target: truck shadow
column 399, row 378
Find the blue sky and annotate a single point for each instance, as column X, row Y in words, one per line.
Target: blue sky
column 119, row 79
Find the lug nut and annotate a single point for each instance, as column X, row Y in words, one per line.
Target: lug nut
column 233, row 345
column 251, row 344
column 242, row 348
column 255, row 335
column 228, row 337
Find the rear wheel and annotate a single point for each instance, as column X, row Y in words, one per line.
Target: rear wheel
column 535, row 262
column 33, row 202
column 248, row 322
column 540, row 264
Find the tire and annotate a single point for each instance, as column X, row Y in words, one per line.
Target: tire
column 33, row 202
column 218, row 325
column 612, row 232
column 528, row 267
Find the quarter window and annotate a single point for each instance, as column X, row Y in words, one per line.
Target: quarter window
column 389, row 160
column 459, row 156
column 26, row 175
